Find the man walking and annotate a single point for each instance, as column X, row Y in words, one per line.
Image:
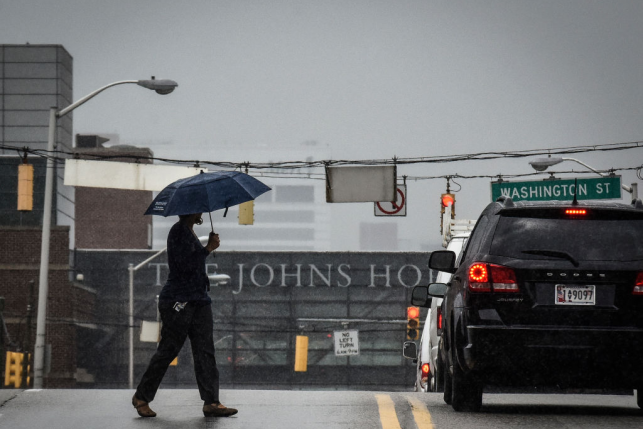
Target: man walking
column 185, row 308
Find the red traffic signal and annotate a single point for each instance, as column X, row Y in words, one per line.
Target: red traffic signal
column 412, row 323
column 448, row 200
column 412, row 312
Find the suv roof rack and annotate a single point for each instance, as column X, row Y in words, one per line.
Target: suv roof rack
column 506, row 201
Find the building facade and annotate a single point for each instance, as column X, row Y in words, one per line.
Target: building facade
column 33, row 78
column 70, row 304
column 111, row 218
column 271, row 299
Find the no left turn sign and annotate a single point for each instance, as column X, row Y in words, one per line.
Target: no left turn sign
column 393, row 209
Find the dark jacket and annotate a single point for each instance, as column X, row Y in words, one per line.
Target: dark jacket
column 188, row 280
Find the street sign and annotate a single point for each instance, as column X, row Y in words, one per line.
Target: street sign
column 390, row 209
column 346, row 343
column 595, row 188
column 360, row 184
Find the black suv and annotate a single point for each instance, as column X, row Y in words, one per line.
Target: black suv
column 545, row 294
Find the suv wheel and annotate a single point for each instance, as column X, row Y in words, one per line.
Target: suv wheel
column 639, row 397
column 466, row 390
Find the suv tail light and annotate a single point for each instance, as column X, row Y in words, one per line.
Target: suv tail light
column 479, row 278
column 439, row 319
column 487, row 277
column 638, row 284
column 503, row 279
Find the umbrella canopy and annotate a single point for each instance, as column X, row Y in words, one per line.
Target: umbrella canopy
column 206, row 192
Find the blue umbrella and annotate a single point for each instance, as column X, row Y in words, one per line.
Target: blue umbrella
column 206, row 192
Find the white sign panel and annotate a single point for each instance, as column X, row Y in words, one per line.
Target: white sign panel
column 150, row 331
column 397, row 208
column 360, row 184
column 346, row 343
column 124, row 175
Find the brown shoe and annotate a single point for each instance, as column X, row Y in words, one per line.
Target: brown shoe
column 142, row 407
column 217, row 409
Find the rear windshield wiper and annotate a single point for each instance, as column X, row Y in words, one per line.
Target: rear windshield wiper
column 554, row 254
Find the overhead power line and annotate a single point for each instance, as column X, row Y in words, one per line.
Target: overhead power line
column 284, row 169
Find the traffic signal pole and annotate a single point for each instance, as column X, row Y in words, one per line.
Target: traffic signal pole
column 2, row 350
column 27, row 347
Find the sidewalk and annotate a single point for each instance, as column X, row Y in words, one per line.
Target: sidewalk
column 8, row 394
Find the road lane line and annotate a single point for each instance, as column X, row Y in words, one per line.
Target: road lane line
column 388, row 417
column 420, row 414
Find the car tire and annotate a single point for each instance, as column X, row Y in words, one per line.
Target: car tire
column 639, row 398
column 466, row 391
column 447, row 386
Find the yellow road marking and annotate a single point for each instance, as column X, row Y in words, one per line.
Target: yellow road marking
column 388, row 417
column 420, row 414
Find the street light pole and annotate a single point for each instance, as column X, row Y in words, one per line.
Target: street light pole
column 541, row 164
column 131, row 327
column 132, row 269
column 162, row 86
column 43, row 283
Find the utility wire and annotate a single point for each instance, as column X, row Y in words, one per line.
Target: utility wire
column 288, row 169
column 290, row 165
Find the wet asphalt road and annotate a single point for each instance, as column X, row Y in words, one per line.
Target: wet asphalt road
column 82, row 409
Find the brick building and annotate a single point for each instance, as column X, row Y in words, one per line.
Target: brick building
column 112, row 218
column 32, row 79
column 70, row 304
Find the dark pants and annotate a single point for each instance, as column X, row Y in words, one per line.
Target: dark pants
column 195, row 322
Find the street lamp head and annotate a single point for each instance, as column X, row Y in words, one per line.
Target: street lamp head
column 161, row 86
column 541, row 164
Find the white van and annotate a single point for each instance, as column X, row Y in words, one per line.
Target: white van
column 429, row 366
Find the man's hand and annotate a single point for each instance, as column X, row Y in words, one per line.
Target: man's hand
column 213, row 242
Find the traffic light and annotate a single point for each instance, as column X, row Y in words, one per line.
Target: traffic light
column 14, row 368
column 448, row 200
column 301, row 353
column 25, row 187
column 412, row 323
column 247, row 213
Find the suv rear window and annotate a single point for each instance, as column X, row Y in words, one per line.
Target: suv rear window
column 597, row 238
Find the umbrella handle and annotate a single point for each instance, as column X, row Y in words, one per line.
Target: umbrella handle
column 212, row 226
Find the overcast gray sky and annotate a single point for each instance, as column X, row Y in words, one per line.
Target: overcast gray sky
column 368, row 79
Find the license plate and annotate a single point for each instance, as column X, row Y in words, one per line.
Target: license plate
column 575, row 295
